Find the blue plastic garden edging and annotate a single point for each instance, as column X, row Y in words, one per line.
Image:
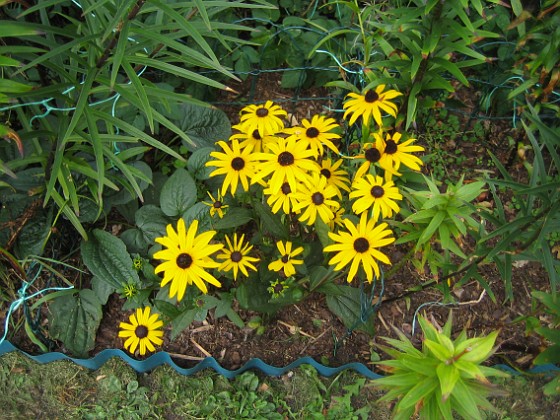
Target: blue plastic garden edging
column 163, row 358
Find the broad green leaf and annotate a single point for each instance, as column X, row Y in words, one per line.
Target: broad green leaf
column 182, row 322
column 204, row 126
column 477, row 349
column 74, row 320
column 549, row 355
column 151, row 221
column 270, row 222
column 348, row 307
column 200, row 212
column 235, row 217
column 196, row 164
column 106, row 257
column 178, row 193
column 438, row 350
column 102, row 289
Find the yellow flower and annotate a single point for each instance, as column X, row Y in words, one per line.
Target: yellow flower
column 259, row 143
column 186, row 258
column 372, row 156
column 217, row 205
column 336, row 177
column 359, row 246
column 371, row 103
column 316, row 198
column 286, row 159
column 396, row 153
column 316, row 133
column 337, row 219
column 376, row 194
column 144, row 329
column 235, row 257
column 286, row 261
column 284, row 199
column 263, row 118
column 236, row 164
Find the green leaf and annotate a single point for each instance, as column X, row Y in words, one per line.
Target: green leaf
column 204, row 125
column 439, row 351
column 432, row 227
column 106, row 257
column 74, row 320
column 151, row 221
column 11, row 86
column 448, row 376
column 270, row 222
column 477, row 349
column 182, row 322
column 347, row 306
column 235, row 217
column 418, row 393
column 140, row 92
column 15, row 29
column 196, row 163
column 102, row 289
column 178, row 193
column 549, row 355
column 200, row 212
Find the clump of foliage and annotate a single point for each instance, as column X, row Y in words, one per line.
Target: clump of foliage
column 446, row 376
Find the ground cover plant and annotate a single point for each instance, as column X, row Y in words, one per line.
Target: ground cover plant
column 134, row 210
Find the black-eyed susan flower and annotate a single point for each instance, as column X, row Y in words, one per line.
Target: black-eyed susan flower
column 277, row 288
column 217, row 205
column 259, row 143
column 316, row 133
column 143, row 331
column 376, row 194
column 265, row 118
column 187, row 257
column 396, row 153
column 371, row 103
column 235, row 163
column 316, row 199
column 236, row 257
column 284, row 199
column 372, row 156
column 287, row 259
column 358, row 247
column 288, row 160
column 335, row 176
column 337, row 219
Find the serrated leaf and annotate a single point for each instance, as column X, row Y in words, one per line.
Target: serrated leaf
column 106, row 257
column 178, row 193
column 75, row 319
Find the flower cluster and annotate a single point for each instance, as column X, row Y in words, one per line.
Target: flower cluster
column 301, row 174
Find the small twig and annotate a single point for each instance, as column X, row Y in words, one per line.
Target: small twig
column 200, row 348
column 202, row 329
column 295, row 330
column 186, row 357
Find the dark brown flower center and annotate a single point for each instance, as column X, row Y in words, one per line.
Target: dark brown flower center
column 390, row 147
column 361, row 245
column 312, row 132
column 285, row 159
column 256, row 135
column 318, row 198
column 377, row 191
column 262, row 112
column 286, row 188
column 237, row 163
column 285, row 258
column 371, row 96
column 326, row 173
column 141, row 331
column 236, row 256
column 278, row 288
column 372, row 155
column 184, row 261
column 217, row 204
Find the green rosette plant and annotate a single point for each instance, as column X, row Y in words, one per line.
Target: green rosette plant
column 444, row 377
